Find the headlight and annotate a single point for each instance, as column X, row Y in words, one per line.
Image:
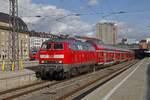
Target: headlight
column 60, row 62
column 42, row 61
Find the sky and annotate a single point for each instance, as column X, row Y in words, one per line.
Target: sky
column 60, row 16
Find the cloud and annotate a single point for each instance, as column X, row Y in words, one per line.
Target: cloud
column 67, row 22
column 92, row 2
column 4, row 6
column 68, row 25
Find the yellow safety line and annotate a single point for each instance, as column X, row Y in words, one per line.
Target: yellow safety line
column 13, row 66
column 3, row 66
column 21, row 64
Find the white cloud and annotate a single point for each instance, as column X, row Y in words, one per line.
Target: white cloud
column 47, row 22
column 69, row 25
column 4, row 6
column 92, row 2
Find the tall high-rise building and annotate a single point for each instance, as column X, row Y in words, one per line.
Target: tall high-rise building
column 107, row 32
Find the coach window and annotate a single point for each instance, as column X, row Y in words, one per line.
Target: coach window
column 92, row 48
column 76, row 46
column 72, row 46
column 58, row 46
column 48, row 46
column 80, row 47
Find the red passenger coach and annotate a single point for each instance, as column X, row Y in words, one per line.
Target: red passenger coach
column 107, row 55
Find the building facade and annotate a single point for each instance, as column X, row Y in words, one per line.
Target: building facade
column 4, row 38
column 107, row 32
column 36, row 42
column 37, row 38
column 148, row 40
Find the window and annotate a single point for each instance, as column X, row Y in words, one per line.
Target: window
column 80, row 47
column 34, row 52
column 58, row 46
column 72, row 46
column 46, row 46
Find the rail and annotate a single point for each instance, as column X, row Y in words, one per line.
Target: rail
column 75, row 84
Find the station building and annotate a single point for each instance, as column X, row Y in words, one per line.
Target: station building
column 4, row 37
column 37, row 38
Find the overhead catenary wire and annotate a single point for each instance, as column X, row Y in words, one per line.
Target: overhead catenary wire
column 90, row 8
column 84, row 14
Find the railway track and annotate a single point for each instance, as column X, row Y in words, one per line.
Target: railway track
column 65, row 89
column 109, row 74
column 19, row 91
column 91, row 86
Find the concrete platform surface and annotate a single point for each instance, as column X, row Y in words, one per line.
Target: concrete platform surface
column 16, row 78
column 133, row 84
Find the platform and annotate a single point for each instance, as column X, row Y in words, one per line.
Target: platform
column 133, row 84
column 11, row 79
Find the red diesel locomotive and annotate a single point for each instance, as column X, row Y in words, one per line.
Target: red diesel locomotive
column 65, row 57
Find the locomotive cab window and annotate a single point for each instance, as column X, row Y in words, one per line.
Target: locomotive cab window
column 46, row 46
column 58, row 46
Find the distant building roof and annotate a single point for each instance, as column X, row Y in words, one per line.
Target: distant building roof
column 106, row 22
column 5, row 18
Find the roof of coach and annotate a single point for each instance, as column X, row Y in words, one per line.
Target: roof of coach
column 60, row 40
column 96, row 41
column 123, row 50
column 101, row 45
column 70, row 41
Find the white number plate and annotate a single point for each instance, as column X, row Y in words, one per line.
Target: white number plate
column 44, row 56
column 59, row 56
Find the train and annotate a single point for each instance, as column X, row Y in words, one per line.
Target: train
column 143, row 45
column 62, row 58
column 33, row 55
column 143, row 50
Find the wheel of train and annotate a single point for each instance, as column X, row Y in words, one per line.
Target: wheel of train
column 58, row 75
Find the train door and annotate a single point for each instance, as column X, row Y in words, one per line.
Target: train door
column 111, row 56
column 105, row 57
column 117, row 55
column 100, row 57
column 114, row 56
